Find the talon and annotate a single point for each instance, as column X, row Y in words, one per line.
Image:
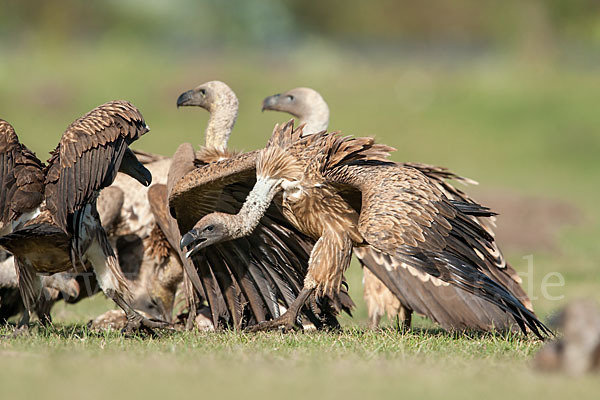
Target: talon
column 283, row 324
column 137, row 323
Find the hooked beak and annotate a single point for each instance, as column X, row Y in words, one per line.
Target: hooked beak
column 188, row 98
column 131, row 166
column 194, row 241
column 270, row 102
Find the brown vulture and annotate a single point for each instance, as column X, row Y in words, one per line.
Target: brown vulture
column 343, row 193
column 255, row 278
column 399, row 291
column 67, row 232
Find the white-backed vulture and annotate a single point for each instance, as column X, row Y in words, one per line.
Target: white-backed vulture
column 449, row 306
column 21, row 194
column 69, row 286
column 144, row 254
column 343, row 192
column 54, row 288
column 21, row 180
column 306, row 104
column 67, row 232
column 245, row 281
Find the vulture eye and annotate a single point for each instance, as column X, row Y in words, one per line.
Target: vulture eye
column 203, row 92
column 209, row 228
column 289, row 96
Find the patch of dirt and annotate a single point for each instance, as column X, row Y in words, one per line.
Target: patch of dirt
column 528, row 223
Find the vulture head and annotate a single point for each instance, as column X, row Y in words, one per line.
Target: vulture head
column 221, row 102
column 211, row 229
column 303, row 103
column 212, row 96
column 131, row 166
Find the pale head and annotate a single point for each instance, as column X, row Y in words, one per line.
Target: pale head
column 211, row 229
column 221, row 102
column 211, row 96
column 303, row 103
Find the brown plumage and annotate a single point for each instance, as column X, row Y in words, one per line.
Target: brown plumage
column 21, row 177
column 68, row 231
column 349, row 195
column 247, row 280
column 451, row 307
column 87, row 155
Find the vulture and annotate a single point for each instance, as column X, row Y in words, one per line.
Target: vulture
column 412, row 290
column 21, row 193
column 69, row 286
column 151, row 265
column 64, row 230
column 54, row 288
column 258, row 276
column 343, row 193
column 306, row 104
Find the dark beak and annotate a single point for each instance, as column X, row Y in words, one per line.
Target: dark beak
column 187, row 99
column 132, row 167
column 270, row 102
column 194, row 240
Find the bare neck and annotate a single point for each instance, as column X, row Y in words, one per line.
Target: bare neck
column 219, row 127
column 255, row 206
column 317, row 119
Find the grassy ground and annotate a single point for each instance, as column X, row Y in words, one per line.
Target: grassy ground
column 354, row 364
column 529, row 129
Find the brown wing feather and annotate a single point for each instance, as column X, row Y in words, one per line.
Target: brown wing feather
column 248, row 276
column 449, row 306
column 88, row 155
column 405, row 216
column 21, row 176
column 501, row 269
column 197, row 193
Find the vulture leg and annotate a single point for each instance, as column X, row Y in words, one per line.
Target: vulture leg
column 30, row 286
column 135, row 322
column 288, row 320
column 328, row 260
column 193, row 302
column 405, row 315
column 114, row 285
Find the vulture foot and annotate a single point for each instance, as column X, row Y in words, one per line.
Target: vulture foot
column 137, row 323
column 287, row 321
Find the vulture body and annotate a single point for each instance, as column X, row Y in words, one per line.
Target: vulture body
column 152, row 266
column 398, row 291
column 67, row 232
column 344, row 193
column 252, row 279
column 21, row 195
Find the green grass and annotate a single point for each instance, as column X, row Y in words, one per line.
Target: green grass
column 352, row 364
column 504, row 124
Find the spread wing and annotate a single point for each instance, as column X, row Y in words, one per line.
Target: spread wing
column 88, row 157
column 501, row 270
column 245, row 280
column 198, row 192
column 404, row 215
column 452, row 308
column 449, row 306
column 21, row 176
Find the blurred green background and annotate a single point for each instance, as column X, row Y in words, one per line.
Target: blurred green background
column 504, row 92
